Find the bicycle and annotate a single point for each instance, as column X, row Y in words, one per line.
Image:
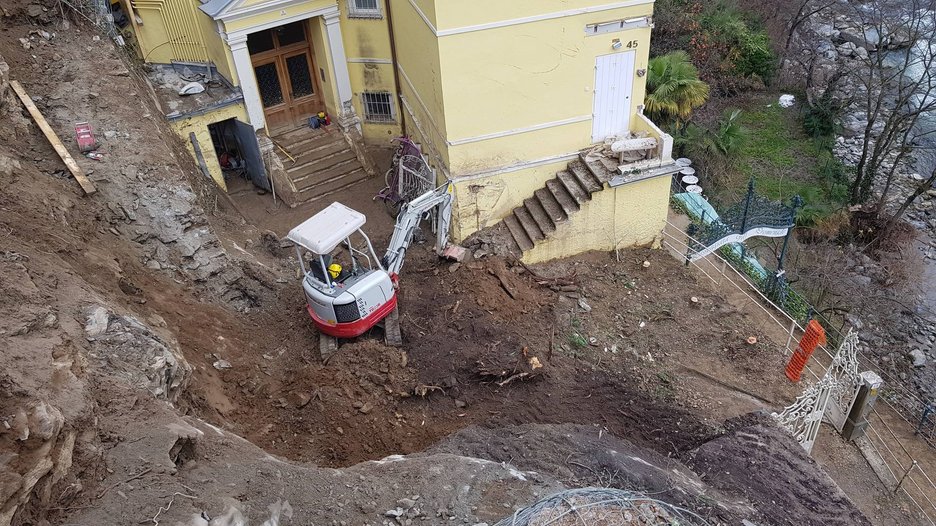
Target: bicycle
column 408, row 177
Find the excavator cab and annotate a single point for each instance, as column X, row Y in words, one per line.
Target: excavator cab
column 346, row 288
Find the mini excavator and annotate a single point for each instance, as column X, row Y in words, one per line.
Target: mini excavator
column 347, row 300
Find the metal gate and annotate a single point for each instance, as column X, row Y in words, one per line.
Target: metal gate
column 830, row 399
column 614, row 82
column 845, row 382
column 250, row 151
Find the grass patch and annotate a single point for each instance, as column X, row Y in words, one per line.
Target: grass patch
column 785, row 161
column 777, row 147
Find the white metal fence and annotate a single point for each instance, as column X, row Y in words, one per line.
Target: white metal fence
column 893, row 443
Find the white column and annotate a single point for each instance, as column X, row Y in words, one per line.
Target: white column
column 248, row 82
column 346, row 115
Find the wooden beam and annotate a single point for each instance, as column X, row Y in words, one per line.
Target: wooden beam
column 73, row 167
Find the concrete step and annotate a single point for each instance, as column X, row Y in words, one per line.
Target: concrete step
column 298, row 140
column 519, row 235
column 571, row 184
column 599, row 171
column 585, row 177
column 565, row 200
column 313, row 173
column 328, row 174
column 549, row 204
column 317, row 150
column 326, row 193
column 529, row 224
column 539, row 215
column 320, row 163
column 331, row 185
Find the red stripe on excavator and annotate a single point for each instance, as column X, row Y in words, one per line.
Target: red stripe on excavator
column 355, row 328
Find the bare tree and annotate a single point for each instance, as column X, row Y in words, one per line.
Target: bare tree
column 892, row 221
column 898, row 89
column 805, row 9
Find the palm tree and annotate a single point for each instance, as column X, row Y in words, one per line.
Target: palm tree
column 673, row 88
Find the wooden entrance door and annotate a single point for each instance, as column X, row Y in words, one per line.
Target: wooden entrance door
column 285, row 71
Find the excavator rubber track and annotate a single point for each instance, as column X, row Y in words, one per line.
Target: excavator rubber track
column 392, row 332
column 328, row 345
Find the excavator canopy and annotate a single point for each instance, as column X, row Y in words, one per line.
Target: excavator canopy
column 323, row 232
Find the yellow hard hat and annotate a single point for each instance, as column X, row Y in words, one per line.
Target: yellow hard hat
column 334, row 270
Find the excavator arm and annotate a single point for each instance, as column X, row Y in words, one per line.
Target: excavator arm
column 438, row 200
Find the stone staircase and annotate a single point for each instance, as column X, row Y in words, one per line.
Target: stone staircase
column 562, row 196
column 324, row 164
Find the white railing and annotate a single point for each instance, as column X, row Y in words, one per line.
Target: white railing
column 910, row 476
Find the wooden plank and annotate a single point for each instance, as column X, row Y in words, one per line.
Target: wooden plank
column 73, row 167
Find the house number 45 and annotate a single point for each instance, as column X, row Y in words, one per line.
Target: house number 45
column 631, row 44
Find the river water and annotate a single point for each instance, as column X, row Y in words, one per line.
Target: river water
column 924, row 157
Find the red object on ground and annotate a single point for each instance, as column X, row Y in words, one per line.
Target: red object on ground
column 84, row 135
column 812, row 338
column 354, row 328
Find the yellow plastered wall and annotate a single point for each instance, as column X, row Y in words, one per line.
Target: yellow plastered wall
column 509, row 79
column 376, row 78
column 275, row 15
column 153, row 37
column 199, row 125
column 450, row 14
column 323, row 60
column 157, row 44
column 367, row 47
column 628, row 215
column 482, row 202
column 218, row 51
column 420, row 78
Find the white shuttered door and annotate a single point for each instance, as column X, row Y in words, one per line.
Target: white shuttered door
column 614, row 80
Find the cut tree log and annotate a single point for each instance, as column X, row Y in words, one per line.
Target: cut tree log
column 50, row 134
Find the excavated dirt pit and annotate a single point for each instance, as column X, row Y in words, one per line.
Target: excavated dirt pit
column 469, row 345
column 485, row 344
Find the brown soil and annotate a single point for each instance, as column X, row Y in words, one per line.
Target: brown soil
column 485, row 344
column 463, row 335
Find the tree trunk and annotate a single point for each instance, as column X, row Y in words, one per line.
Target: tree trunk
column 892, row 222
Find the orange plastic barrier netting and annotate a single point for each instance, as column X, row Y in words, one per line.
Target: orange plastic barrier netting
column 812, row 338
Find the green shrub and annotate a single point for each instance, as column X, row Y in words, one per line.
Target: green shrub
column 745, row 47
column 820, row 119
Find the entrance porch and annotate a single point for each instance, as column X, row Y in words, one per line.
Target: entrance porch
column 289, row 61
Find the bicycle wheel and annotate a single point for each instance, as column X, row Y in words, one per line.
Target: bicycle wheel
column 393, row 207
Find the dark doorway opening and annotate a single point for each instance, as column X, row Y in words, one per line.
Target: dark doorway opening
column 235, row 144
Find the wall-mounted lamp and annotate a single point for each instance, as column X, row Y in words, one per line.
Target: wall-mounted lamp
column 641, row 72
column 616, row 43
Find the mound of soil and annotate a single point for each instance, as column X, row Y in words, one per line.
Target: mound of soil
column 764, row 464
column 586, row 455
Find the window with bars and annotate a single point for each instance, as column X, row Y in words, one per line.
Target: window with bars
column 364, row 9
column 378, row 106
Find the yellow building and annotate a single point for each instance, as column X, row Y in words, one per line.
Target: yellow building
column 502, row 96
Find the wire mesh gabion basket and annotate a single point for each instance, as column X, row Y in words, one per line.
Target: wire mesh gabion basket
column 602, row 507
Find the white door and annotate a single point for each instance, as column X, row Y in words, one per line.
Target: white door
column 614, row 81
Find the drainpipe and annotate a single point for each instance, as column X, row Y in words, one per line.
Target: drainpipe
column 396, row 71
